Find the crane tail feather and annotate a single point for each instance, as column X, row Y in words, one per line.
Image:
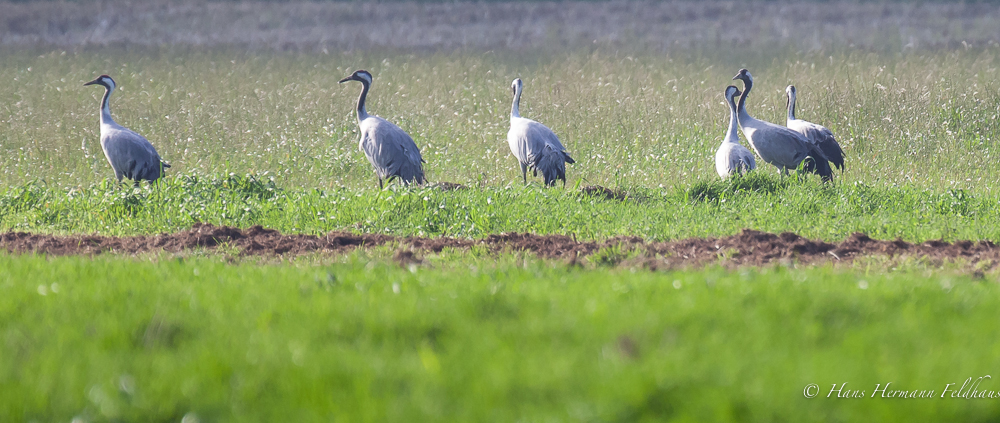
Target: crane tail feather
column 820, row 164
column 834, row 153
column 553, row 166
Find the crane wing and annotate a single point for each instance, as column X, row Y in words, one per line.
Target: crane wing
column 741, row 160
column 131, row 155
column 822, row 137
column 391, row 151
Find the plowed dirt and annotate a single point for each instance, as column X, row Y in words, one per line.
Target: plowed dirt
column 747, row 248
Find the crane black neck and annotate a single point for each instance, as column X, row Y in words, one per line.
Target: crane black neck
column 731, row 134
column 747, row 85
column 365, row 86
column 106, row 105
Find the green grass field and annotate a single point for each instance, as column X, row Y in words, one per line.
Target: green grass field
column 467, row 338
column 760, row 201
column 261, row 137
column 270, row 139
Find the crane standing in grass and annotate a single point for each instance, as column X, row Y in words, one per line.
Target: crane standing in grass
column 388, row 148
column 732, row 157
column 816, row 134
column 130, row 155
column 534, row 145
column 778, row 145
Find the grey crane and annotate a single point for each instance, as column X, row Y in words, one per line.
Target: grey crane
column 130, row 155
column 816, row 134
column 732, row 157
column 534, row 145
column 778, row 145
column 388, row 148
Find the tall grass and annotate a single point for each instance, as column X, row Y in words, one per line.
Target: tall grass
column 926, row 119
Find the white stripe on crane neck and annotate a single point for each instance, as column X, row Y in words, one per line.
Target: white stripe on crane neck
column 732, row 135
column 514, row 112
column 106, row 106
column 791, row 103
column 366, row 76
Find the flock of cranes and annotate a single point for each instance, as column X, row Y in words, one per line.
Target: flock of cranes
column 803, row 144
column 394, row 155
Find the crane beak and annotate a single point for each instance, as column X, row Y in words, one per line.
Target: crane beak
column 96, row 81
column 736, row 77
column 349, row 78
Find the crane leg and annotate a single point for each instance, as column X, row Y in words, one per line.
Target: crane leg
column 524, row 174
column 380, row 186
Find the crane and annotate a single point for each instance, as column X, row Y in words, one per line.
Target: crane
column 778, row 145
column 732, row 157
column 816, row 134
column 131, row 156
column 535, row 145
column 388, row 148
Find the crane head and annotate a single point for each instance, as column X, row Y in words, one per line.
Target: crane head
column 514, row 85
column 732, row 92
column 789, row 97
column 743, row 75
column 103, row 80
column 362, row 76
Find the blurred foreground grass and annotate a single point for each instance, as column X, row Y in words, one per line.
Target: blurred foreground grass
column 467, row 338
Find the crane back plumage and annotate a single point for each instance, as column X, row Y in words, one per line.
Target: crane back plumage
column 778, row 145
column 733, row 158
column 130, row 155
column 389, row 149
column 815, row 133
column 535, row 146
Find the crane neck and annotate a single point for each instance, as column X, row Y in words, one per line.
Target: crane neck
column 741, row 110
column 362, row 113
column 732, row 135
column 514, row 112
column 106, row 107
column 791, row 106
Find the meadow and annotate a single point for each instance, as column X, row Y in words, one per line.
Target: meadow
column 707, row 208
column 264, row 135
column 270, row 139
column 925, row 119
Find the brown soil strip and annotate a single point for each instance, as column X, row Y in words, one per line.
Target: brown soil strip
column 747, row 248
